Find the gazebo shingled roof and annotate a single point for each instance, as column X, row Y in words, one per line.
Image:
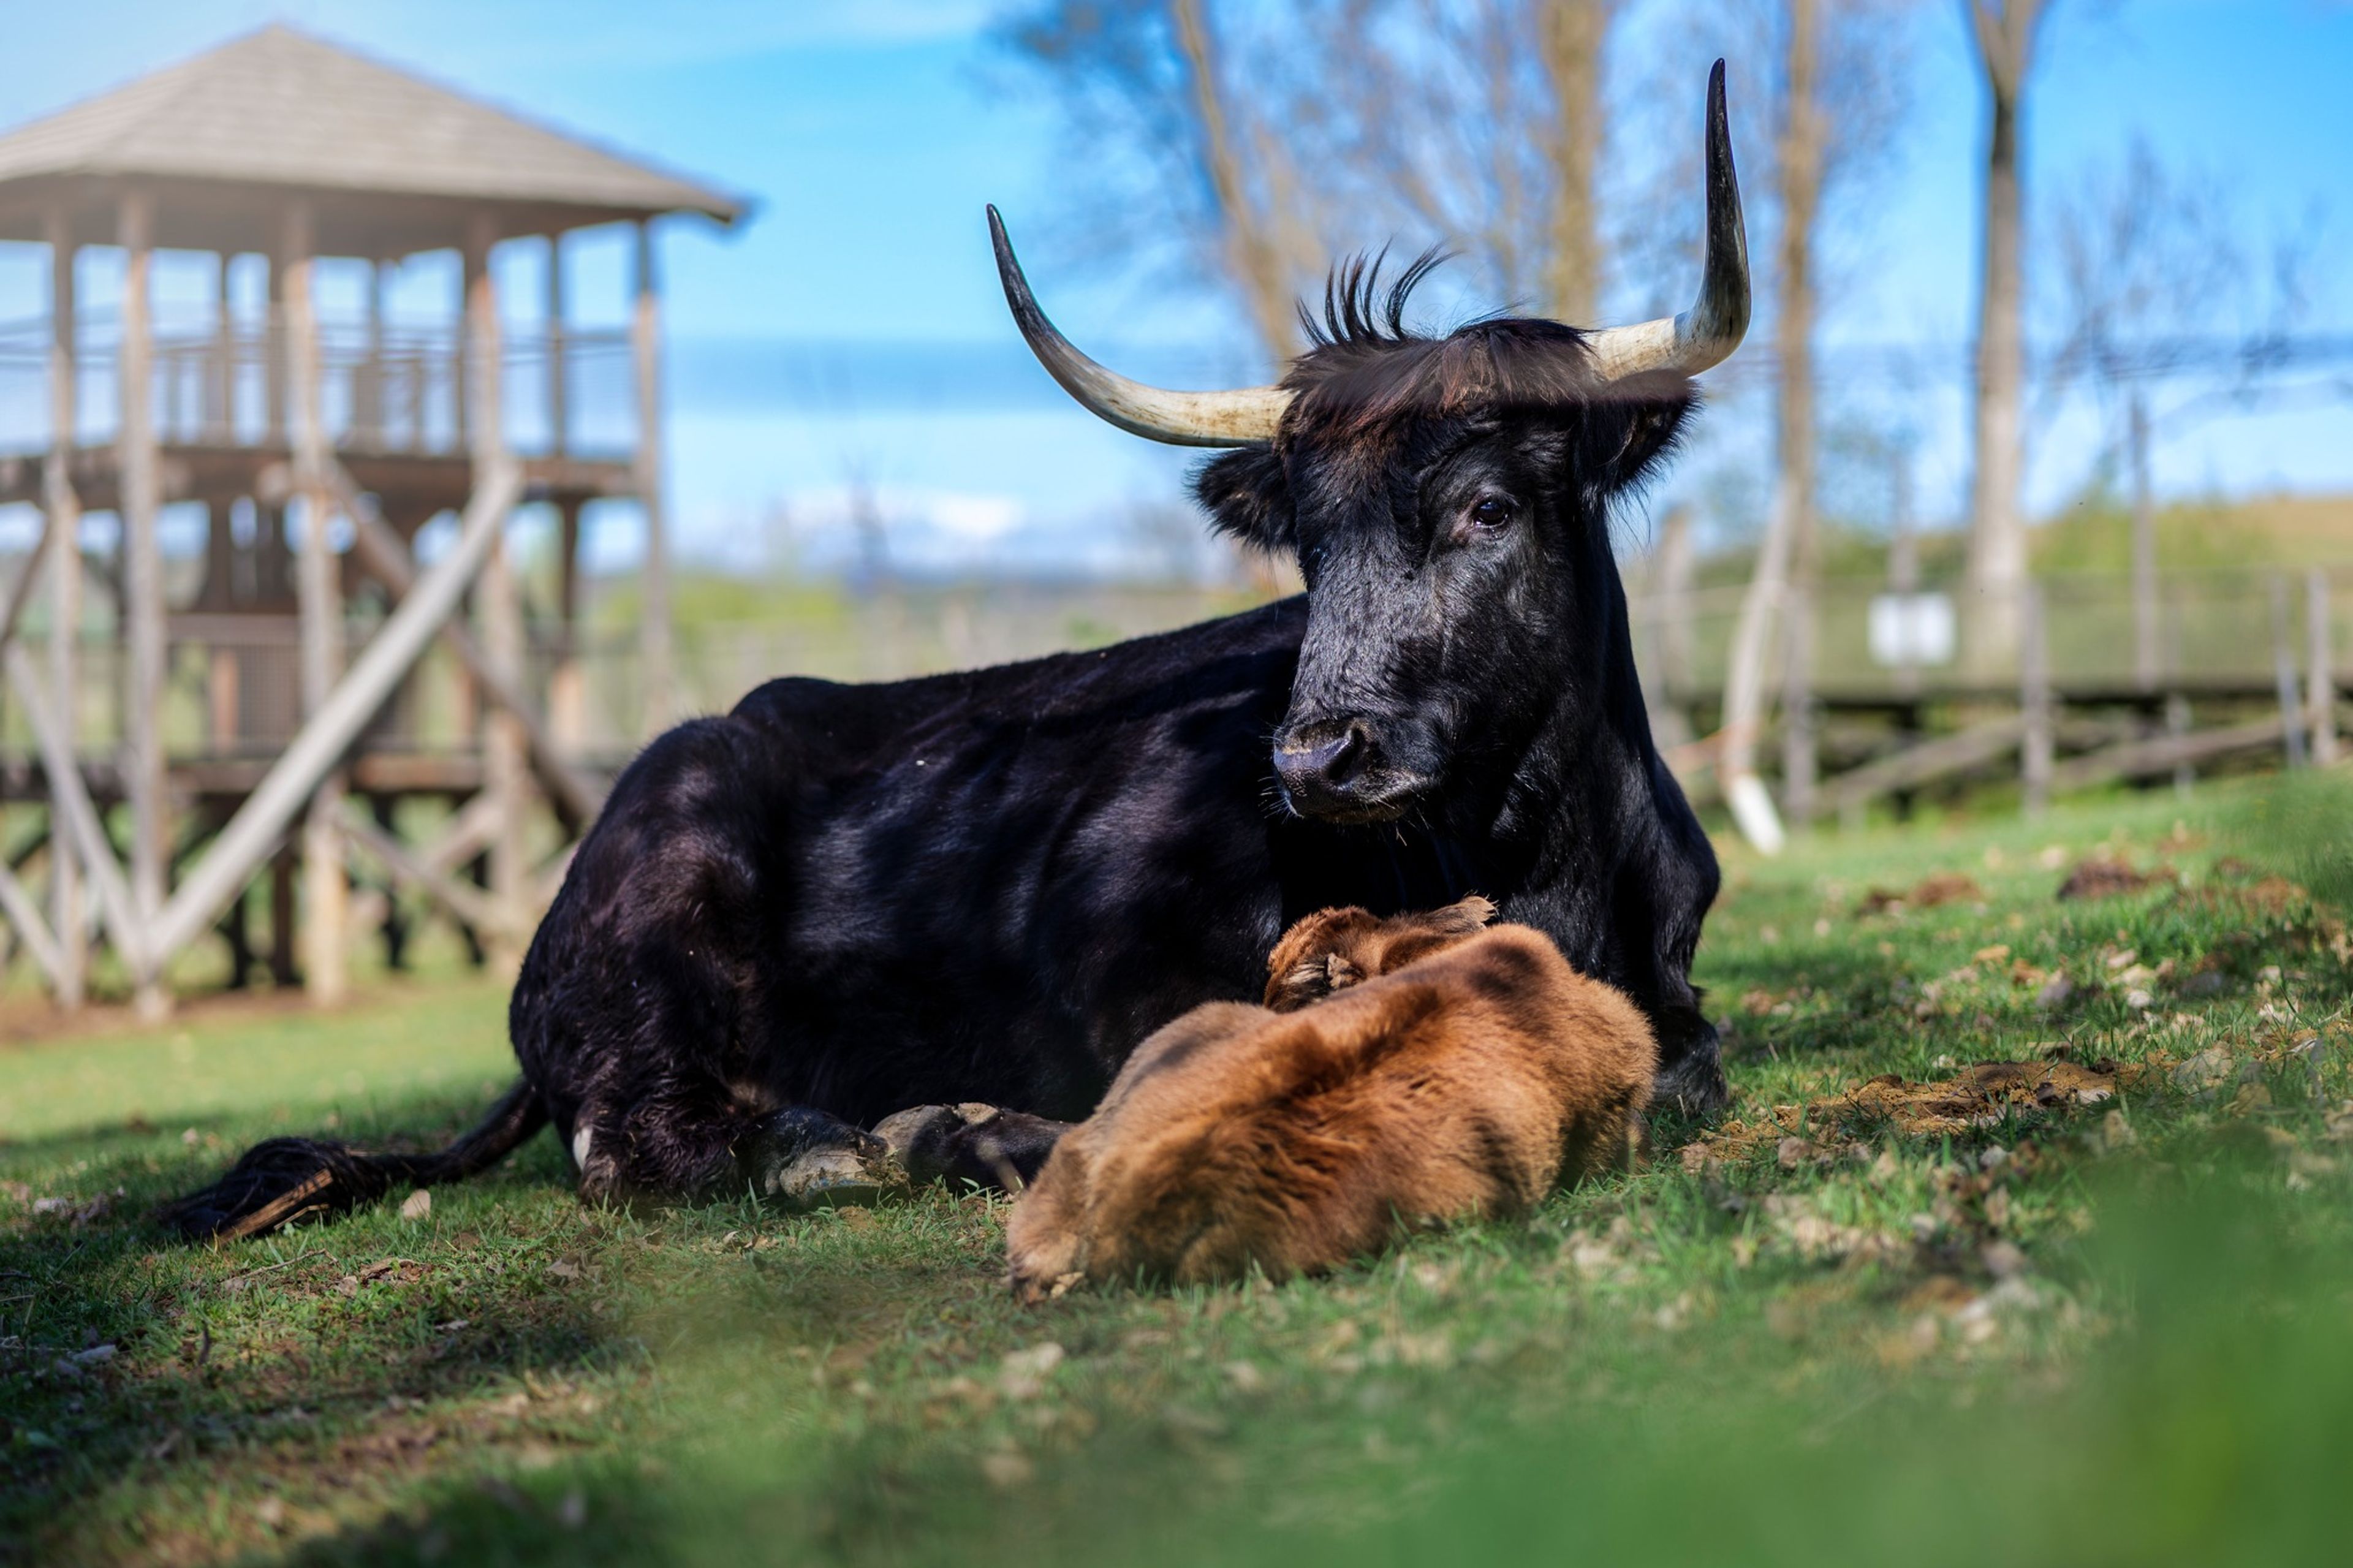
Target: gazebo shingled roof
column 391, row 163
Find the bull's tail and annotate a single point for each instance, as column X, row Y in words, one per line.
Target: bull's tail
column 288, row 1178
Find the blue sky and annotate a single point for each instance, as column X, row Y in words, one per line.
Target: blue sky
column 870, row 133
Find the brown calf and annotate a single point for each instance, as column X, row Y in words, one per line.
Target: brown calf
column 1402, row 1071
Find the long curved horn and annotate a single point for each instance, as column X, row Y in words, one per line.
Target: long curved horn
column 1705, row 334
column 1242, row 418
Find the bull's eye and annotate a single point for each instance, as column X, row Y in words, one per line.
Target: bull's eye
column 1493, row 511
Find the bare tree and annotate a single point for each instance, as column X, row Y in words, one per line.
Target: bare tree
column 1788, row 527
column 1834, row 98
column 1571, row 37
column 2137, row 255
column 1179, row 158
column 1274, row 140
column 2004, row 32
column 1250, row 215
column 2149, row 274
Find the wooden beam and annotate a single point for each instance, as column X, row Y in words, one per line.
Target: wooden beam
column 142, row 576
column 61, row 529
column 461, row 900
column 1917, row 764
column 326, row 892
column 327, row 735
column 498, row 602
column 386, row 556
column 653, row 574
column 2162, row 753
column 25, row 917
column 70, row 799
column 467, row 834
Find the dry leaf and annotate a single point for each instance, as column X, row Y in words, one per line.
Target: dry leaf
column 1024, row 1372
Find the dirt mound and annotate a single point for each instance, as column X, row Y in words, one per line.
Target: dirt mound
column 1977, row 1097
column 1941, row 888
column 2103, row 878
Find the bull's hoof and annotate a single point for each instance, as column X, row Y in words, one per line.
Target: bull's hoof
column 808, row 1160
column 969, row 1143
column 925, row 1139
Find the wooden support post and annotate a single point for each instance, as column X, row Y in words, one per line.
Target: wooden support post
column 566, row 696
column 367, row 388
column 2176, row 728
column 2147, row 663
column 2284, row 676
column 2320, row 675
column 567, row 691
column 653, row 577
column 63, row 526
column 273, row 361
column 498, row 600
column 135, row 458
column 559, row 389
column 1799, row 763
column 2034, row 702
column 220, row 386
column 284, row 971
column 1903, row 563
column 326, row 890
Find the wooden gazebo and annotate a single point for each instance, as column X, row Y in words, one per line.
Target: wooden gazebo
column 318, row 450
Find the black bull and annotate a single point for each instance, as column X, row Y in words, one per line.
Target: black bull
column 839, row 902
column 991, row 886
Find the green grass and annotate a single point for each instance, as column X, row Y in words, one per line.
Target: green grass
column 2121, row 1338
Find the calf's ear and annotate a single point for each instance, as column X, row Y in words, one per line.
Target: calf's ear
column 1247, row 497
column 1470, row 915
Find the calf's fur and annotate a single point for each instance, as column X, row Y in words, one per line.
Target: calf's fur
column 1402, row 1070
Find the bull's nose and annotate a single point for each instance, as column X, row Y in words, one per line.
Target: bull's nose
column 1318, row 760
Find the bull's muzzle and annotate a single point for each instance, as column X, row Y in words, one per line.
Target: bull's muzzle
column 1336, row 769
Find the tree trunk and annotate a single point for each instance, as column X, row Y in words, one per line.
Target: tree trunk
column 1253, row 254
column 1570, row 35
column 1786, row 561
column 2004, row 31
column 2147, row 663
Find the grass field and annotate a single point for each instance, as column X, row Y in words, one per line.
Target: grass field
column 1854, row 1322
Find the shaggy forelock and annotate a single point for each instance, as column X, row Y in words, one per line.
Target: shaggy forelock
column 1364, row 367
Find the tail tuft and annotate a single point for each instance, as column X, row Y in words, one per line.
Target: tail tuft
column 278, row 1183
column 287, row 1179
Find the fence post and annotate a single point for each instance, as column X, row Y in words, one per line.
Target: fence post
column 1800, row 762
column 2034, row 701
column 2283, row 675
column 2320, row 680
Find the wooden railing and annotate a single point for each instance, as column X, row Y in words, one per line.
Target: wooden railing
column 400, row 391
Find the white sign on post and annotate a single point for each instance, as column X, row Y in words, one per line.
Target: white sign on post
column 1911, row 629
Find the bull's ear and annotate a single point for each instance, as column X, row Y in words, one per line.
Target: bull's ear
column 1247, row 497
column 1622, row 439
